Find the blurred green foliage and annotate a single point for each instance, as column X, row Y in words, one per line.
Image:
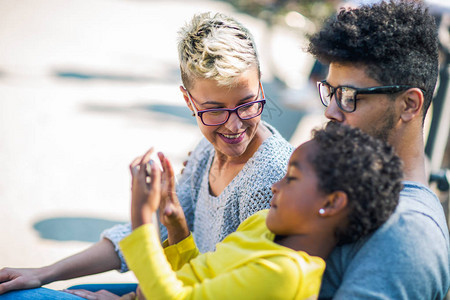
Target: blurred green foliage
column 270, row 10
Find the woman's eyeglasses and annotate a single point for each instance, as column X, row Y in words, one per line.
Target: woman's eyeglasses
column 346, row 96
column 219, row 116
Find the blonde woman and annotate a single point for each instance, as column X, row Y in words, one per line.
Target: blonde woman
column 229, row 175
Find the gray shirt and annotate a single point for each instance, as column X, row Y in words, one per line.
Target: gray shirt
column 406, row 258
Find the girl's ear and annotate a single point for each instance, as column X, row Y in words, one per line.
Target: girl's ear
column 186, row 98
column 334, row 204
column 412, row 103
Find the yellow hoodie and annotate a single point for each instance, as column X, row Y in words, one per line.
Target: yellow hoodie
column 246, row 265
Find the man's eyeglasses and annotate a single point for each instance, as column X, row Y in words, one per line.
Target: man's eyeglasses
column 346, row 96
column 219, row 116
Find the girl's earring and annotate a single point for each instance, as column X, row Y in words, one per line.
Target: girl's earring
column 321, row 211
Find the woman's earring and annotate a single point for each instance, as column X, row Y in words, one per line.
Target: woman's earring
column 321, row 211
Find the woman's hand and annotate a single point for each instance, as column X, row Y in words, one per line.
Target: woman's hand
column 145, row 189
column 18, row 279
column 171, row 213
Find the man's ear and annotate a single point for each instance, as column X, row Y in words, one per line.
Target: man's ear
column 186, row 98
column 412, row 103
column 335, row 203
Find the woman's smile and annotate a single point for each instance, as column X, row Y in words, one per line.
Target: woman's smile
column 232, row 138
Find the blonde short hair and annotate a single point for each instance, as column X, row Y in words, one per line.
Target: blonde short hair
column 215, row 47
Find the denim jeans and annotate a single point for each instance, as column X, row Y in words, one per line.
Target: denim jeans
column 115, row 288
column 44, row 293
column 38, row 294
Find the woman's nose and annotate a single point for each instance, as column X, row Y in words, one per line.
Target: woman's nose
column 234, row 123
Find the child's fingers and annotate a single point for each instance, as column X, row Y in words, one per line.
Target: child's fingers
column 167, row 167
column 170, row 177
column 161, row 157
column 146, row 156
column 82, row 293
column 134, row 165
column 166, row 175
column 129, row 296
column 143, row 166
column 168, row 210
column 138, row 164
column 154, row 195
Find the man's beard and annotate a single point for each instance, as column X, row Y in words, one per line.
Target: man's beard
column 384, row 131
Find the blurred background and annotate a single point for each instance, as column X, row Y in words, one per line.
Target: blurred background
column 88, row 85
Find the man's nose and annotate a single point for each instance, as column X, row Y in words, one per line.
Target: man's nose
column 333, row 112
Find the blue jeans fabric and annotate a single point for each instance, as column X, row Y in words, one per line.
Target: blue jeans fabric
column 38, row 294
column 119, row 289
column 44, row 293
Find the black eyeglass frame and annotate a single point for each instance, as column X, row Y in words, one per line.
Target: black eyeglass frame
column 200, row 113
column 389, row 89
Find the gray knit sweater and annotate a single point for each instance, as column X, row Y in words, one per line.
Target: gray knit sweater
column 212, row 218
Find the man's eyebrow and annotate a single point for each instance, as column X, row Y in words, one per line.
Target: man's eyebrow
column 343, row 85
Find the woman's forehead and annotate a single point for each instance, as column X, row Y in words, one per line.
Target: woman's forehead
column 207, row 90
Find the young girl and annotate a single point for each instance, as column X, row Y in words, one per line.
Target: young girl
column 339, row 187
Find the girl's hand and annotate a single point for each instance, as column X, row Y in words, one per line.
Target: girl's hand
column 171, row 213
column 145, row 189
column 99, row 295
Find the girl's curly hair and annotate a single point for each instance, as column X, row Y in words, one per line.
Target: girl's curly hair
column 365, row 168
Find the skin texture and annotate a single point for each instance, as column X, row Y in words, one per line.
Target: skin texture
column 397, row 121
column 296, row 199
column 229, row 158
column 208, row 94
column 303, row 217
column 153, row 190
column 375, row 114
column 98, row 258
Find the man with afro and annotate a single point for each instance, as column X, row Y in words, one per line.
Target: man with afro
column 383, row 67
